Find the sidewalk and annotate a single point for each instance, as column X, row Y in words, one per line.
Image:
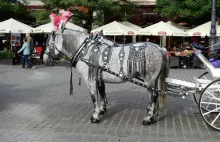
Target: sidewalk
column 35, row 106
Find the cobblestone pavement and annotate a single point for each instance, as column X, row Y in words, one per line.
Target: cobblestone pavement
column 35, row 106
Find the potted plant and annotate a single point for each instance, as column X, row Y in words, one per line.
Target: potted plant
column 6, row 57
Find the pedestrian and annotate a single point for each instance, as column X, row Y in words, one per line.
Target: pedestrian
column 30, row 42
column 147, row 39
column 1, row 45
column 26, row 52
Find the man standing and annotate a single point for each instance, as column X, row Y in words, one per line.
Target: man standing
column 30, row 42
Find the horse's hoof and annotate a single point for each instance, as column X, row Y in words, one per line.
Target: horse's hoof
column 93, row 120
column 153, row 119
column 145, row 123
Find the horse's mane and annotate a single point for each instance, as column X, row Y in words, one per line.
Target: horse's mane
column 71, row 39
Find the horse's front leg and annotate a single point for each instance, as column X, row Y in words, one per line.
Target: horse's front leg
column 152, row 111
column 103, row 99
column 94, row 96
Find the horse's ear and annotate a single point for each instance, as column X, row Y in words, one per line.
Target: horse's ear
column 61, row 25
column 61, row 11
column 66, row 15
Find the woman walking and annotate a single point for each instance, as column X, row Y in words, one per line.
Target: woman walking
column 26, row 52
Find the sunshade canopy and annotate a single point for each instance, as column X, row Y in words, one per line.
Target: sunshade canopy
column 115, row 28
column 162, row 29
column 177, row 26
column 48, row 28
column 203, row 30
column 131, row 25
column 14, row 26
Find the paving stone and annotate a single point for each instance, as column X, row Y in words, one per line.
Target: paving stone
column 35, row 105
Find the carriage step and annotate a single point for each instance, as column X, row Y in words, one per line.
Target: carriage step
column 203, row 81
column 180, row 82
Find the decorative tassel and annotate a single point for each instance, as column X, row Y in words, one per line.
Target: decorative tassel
column 136, row 62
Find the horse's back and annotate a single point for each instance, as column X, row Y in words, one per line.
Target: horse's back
column 143, row 60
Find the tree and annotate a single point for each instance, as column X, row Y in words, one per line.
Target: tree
column 41, row 16
column 102, row 7
column 14, row 9
column 191, row 11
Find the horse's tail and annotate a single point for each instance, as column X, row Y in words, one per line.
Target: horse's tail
column 161, row 84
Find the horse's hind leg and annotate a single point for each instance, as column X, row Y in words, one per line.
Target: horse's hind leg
column 152, row 111
column 103, row 99
column 94, row 95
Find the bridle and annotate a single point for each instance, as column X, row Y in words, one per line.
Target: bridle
column 52, row 46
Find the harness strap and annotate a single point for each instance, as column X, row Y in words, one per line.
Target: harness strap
column 124, row 77
column 73, row 61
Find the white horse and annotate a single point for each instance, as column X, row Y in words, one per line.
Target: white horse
column 144, row 61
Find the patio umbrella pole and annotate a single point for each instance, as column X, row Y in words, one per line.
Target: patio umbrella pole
column 160, row 40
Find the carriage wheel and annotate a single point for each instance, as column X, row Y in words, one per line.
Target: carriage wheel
column 209, row 104
column 196, row 96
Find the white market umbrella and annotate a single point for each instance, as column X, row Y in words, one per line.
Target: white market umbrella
column 48, row 28
column 115, row 28
column 177, row 26
column 162, row 29
column 131, row 25
column 13, row 26
column 203, row 30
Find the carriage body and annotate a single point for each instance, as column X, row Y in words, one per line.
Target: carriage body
column 206, row 91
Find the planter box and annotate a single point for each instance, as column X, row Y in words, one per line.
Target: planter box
column 6, row 61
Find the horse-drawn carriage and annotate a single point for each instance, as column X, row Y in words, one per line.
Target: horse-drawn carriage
column 99, row 60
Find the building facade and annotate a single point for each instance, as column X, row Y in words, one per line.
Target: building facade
column 34, row 4
column 146, row 15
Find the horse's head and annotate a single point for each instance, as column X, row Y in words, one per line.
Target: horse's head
column 56, row 40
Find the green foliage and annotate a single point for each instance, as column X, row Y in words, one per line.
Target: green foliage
column 6, row 54
column 102, row 7
column 14, row 10
column 195, row 11
column 41, row 16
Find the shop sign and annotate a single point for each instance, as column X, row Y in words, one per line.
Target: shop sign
column 162, row 33
column 196, row 34
column 130, row 33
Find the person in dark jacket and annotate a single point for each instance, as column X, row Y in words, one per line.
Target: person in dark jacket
column 30, row 42
column 26, row 52
column 1, row 45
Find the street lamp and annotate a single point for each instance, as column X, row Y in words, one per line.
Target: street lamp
column 213, row 26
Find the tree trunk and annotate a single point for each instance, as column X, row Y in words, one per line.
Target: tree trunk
column 90, row 20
